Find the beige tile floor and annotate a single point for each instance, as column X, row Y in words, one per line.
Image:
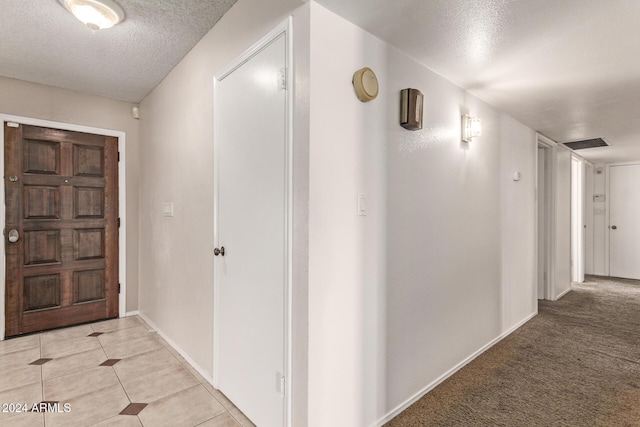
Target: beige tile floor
column 149, row 371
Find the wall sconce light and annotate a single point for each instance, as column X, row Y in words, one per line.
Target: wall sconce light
column 471, row 127
column 95, row 14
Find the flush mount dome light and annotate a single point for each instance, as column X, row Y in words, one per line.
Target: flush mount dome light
column 95, row 14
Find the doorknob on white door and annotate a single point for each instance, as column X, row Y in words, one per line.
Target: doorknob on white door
column 613, row 227
column 220, row 251
column 14, row 236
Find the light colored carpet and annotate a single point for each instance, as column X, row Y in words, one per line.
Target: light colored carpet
column 575, row 364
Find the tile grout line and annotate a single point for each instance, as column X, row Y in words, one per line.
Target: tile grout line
column 189, row 368
column 118, row 377
column 114, row 370
column 186, row 366
column 44, row 418
column 121, row 385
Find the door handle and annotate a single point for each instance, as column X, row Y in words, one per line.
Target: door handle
column 220, row 251
column 14, row 235
column 613, row 227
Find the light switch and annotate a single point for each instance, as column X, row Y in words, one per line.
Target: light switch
column 517, row 176
column 167, row 209
column 362, row 207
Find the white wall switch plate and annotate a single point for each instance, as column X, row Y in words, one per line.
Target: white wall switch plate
column 362, row 206
column 167, row 209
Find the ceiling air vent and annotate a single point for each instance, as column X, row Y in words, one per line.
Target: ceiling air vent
column 587, row 143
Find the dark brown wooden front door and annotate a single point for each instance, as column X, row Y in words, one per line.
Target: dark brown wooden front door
column 62, row 200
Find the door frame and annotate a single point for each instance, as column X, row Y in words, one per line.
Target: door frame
column 286, row 29
column 549, row 147
column 589, row 169
column 122, row 208
column 607, row 229
column 577, row 218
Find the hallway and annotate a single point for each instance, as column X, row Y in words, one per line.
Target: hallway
column 575, row 364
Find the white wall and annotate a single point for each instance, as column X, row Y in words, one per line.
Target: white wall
column 519, row 287
column 25, row 99
column 562, row 223
column 176, row 254
column 443, row 262
column 347, row 252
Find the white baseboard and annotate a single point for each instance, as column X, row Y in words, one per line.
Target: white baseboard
column 517, row 325
column 563, row 294
column 398, row 409
column 177, row 348
column 132, row 313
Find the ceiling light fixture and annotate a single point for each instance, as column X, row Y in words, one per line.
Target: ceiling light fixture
column 95, row 14
column 471, row 127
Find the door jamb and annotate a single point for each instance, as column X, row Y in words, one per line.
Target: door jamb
column 589, row 220
column 122, row 197
column 286, row 29
column 550, row 147
column 577, row 259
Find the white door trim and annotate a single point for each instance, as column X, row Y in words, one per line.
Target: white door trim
column 589, row 220
column 577, row 218
column 607, row 230
column 122, row 205
column 550, row 147
column 286, row 29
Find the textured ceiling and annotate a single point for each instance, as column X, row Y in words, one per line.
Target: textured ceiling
column 41, row 42
column 569, row 69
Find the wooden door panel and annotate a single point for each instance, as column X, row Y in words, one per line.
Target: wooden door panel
column 42, row 247
column 88, row 285
column 41, row 292
column 88, row 203
column 88, row 244
column 41, row 202
column 64, row 202
column 88, row 160
column 41, row 157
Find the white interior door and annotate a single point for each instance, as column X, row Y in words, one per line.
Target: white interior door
column 251, row 225
column 624, row 222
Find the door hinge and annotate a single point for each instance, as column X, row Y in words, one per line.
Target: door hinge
column 118, row 222
column 119, row 287
column 282, row 385
column 13, row 124
column 118, row 156
column 282, row 78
